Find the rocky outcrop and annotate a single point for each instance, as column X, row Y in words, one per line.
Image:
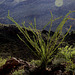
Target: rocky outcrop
column 10, row 66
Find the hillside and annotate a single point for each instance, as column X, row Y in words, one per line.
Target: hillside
column 10, row 44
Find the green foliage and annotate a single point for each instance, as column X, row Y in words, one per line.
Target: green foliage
column 68, row 54
column 19, row 72
column 3, row 60
column 43, row 51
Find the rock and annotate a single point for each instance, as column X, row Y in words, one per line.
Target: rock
column 10, row 66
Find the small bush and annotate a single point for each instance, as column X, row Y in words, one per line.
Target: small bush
column 67, row 54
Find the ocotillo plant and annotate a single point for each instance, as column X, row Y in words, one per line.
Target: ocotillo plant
column 43, row 50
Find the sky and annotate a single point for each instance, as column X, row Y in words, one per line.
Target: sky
column 15, row 1
column 1, row 1
column 58, row 3
column 19, row 1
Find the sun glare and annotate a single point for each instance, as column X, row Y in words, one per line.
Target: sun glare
column 58, row 3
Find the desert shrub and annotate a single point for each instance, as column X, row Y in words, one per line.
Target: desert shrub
column 67, row 55
column 67, row 52
column 44, row 51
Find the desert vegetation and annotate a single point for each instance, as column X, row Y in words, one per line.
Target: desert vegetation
column 46, row 52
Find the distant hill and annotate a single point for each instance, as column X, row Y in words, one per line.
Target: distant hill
column 26, row 10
